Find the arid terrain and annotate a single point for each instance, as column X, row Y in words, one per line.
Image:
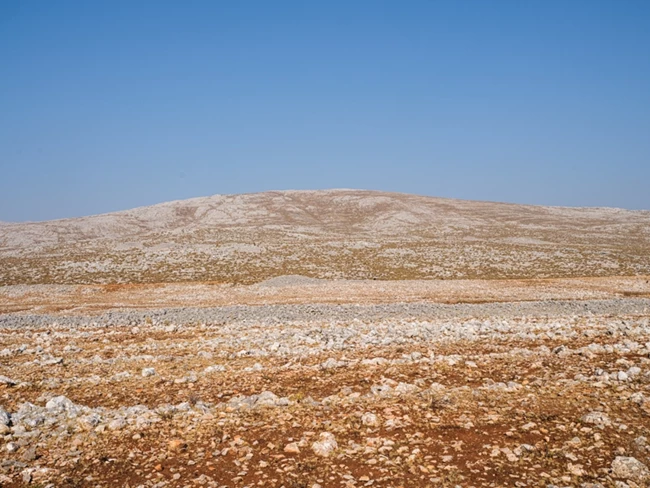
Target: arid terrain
column 349, row 234
column 80, row 299
column 308, row 339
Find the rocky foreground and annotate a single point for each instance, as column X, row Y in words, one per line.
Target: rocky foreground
column 410, row 395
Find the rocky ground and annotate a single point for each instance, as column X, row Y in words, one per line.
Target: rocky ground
column 329, row 234
column 91, row 299
column 553, row 393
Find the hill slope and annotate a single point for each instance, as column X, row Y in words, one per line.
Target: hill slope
column 326, row 234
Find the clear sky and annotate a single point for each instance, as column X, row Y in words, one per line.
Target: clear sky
column 109, row 105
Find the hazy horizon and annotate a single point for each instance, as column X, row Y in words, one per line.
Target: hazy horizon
column 112, row 106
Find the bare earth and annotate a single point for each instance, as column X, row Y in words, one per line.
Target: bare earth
column 528, row 396
column 198, row 344
column 83, row 299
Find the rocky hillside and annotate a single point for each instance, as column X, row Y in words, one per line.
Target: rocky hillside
column 327, row 234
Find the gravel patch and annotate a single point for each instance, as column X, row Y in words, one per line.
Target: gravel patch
column 280, row 314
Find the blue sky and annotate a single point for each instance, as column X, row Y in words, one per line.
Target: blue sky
column 110, row 105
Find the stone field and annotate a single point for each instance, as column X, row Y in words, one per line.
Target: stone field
column 385, row 392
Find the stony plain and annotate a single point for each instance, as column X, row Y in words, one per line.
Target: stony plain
column 327, row 339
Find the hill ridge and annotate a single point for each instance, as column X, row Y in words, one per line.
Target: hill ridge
column 324, row 191
column 335, row 233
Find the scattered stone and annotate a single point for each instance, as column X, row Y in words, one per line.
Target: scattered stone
column 267, row 399
column 29, row 455
column 217, row 368
column 633, row 372
column 332, row 363
column 148, row 372
column 27, row 476
column 405, row 389
column 325, row 445
column 61, row 404
column 629, row 468
column 292, row 448
column 176, row 445
column 597, row 418
column 117, row 424
column 4, row 417
column 374, row 361
column 90, row 421
column 369, row 419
